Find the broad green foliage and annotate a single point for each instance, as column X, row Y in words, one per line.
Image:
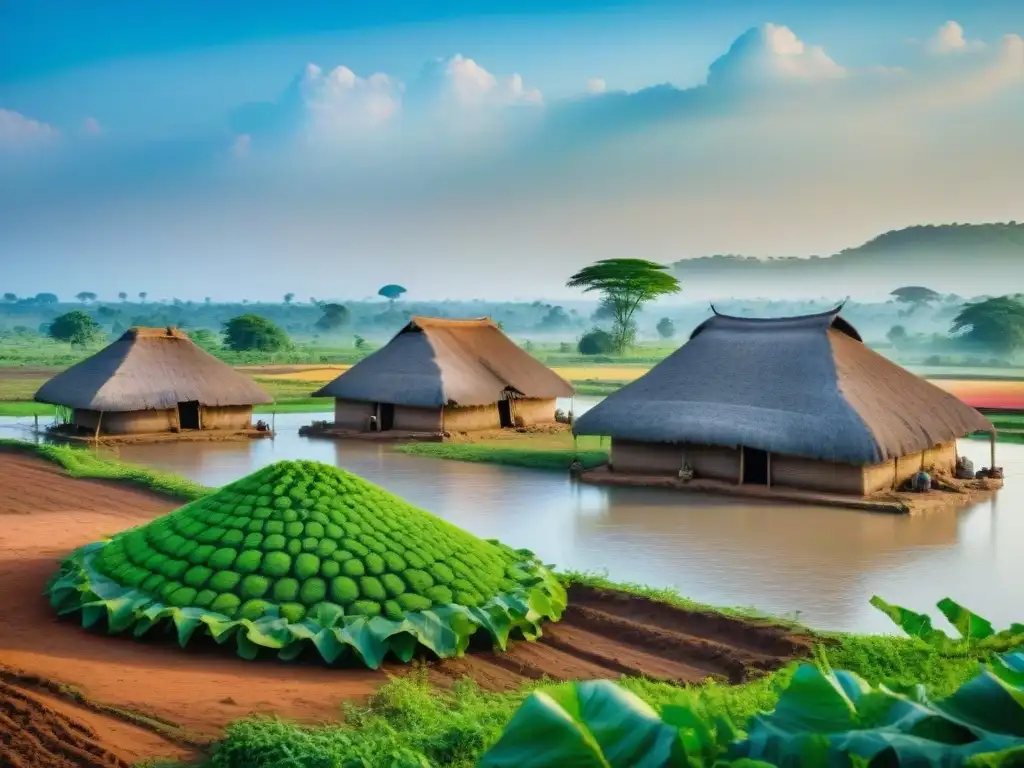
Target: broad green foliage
column 822, row 718
column 973, row 629
column 299, row 553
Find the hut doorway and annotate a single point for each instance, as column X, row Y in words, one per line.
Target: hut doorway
column 387, row 417
column 188, row 415
column 755, row 466
column 505, row 413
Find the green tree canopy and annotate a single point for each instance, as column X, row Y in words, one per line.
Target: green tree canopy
column 391, row 292
column 334, row 317
column 625, row 285
column 666, row 328
column 997, row 324
column 289, row 297
column 46, row 298
column 252, row 333
column 75, row 328
column 897, row 335
column 10, row 297
column 596, row 342
column 122, row 296
column 915, row 295
column 85, row 296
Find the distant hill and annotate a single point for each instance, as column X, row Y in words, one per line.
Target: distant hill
column 966, row 259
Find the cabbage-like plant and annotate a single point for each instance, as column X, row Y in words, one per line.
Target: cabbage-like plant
column 304, row 554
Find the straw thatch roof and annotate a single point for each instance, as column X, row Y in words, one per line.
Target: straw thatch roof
column 805, row 386
column 150, row 369
column 433, row 362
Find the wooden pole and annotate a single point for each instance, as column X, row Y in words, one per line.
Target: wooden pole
column 739, row 481
column 768, row 478
column 99, row 421
column 992, row 448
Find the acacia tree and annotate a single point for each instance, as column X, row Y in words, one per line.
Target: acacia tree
column 997, row 324
column 85, row 296
column 122, row 296
column 391, row 292
column 142, row 296
column 916, row 296
column 625, row 285
column 666, row 328
column 10, row 297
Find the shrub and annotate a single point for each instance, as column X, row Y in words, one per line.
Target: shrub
column 596, row 342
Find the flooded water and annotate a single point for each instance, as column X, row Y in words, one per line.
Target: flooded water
column 821, row 564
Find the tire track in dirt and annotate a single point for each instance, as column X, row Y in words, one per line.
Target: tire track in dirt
column 607, row 634
column 42, row 728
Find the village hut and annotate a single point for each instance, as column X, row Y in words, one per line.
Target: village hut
column 439, row 375
column 799, row 402
column 153, row 380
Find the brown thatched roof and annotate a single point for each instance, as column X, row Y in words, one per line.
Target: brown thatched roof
column 434, row 362
column 805, row 386
column 150, row 369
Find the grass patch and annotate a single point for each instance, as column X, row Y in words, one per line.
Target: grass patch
column 555, row 452
column 410, row 723
column 26, row 408
column 83, row 463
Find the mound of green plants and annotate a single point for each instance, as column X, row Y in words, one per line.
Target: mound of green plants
column 301, row 553
column 822, row 718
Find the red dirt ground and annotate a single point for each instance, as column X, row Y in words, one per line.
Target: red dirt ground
column 191, row 695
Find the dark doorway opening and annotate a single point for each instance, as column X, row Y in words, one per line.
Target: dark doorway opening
column 505, row 413
column 387, row 416
column 188, row 415
column 755, row 466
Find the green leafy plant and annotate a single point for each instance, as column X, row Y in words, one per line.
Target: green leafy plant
column 822, row 718
column 973, row 629
column 301, row 554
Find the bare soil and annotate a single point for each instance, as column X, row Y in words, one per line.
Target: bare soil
column 179, row 696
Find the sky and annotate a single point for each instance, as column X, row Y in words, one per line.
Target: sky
column 485, row 150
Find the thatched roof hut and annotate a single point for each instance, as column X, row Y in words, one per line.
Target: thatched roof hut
column 154, row 380
column 438, row 373
column 781, row 390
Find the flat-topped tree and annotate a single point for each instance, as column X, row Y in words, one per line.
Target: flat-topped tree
column 391, row 292
column 299, row 554
column 625, row 286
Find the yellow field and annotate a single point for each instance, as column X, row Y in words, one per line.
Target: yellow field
column 324, row 373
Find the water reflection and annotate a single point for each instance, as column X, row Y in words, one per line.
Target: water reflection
column 825, row 563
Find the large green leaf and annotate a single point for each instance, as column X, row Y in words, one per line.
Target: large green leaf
column 969, row 625
column 584, row 725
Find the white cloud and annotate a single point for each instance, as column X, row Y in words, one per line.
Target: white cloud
column 18, row 131
column 340, row 102
column 771, row 54
column 949, row 38
column 459, row 82
column 596, row 85
column 91, row 127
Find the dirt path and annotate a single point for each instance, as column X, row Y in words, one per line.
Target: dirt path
column 45, row 514
column 45, row 727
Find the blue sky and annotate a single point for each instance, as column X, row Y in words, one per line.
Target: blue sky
column 143, row 142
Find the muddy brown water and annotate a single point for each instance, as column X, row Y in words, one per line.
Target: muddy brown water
column 821, row 564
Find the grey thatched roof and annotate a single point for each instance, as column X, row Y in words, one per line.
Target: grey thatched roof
column 150, row 369
column 434, row 362
column 805, row 386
